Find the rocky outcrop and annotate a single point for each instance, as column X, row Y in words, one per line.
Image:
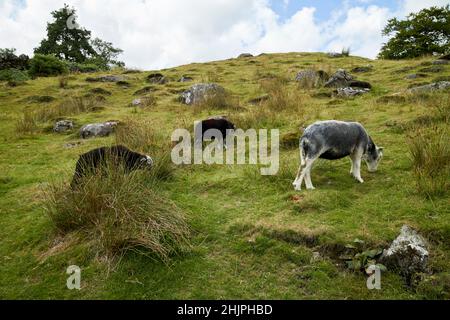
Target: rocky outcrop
column 198, row 92
column 245, row 55
column 349, row 92
column 156, row 78
column 340, row 79
column 440, row 61
column 433, row 69
column 98, row 129
column 312, row 77
column 109, row 78
column 63, row 126
column 408, row 253
column 440, row 85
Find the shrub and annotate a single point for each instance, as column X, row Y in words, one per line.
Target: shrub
column 429, row 152
column 83, row 67
column 46, row 65
column 13, row 75
column 345, row 52
column 116, row 212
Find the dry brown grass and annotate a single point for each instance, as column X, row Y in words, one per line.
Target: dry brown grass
column 117, row 212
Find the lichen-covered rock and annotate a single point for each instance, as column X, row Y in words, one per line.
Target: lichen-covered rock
column 340, row 79
column 106, row 79
column 349, row 92
column 408, row 253
column 440, row 85
column 63, row 126
column 98, row 129
column 312, row 77
column 198, row 92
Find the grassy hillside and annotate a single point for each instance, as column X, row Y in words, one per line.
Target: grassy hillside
column 252, row 236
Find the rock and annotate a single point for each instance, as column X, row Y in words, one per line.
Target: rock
column 408, row 253
column 312, row 77
column 335, row 55
column 98, row 129
column 109, row 78
column 362, row 69
column 440, row 85
column 185, row 79
column 440, row 61
column 156, row 78
column 245, row 55
column 199, row 92
column 433, row 69
column 348, row 92
column 63, row 126
column 339, row 79
column 415, row 76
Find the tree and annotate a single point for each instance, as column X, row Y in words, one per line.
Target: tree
column 420, row 34
column 9, row 60
column 68, row 41
column 106, row 54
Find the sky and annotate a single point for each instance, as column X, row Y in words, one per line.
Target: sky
column 156, row 34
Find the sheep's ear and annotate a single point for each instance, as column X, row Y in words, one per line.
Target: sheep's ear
column 380, row 148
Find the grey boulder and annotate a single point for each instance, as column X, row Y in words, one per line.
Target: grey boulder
column 339, row 79
column 408, row 253
column 312, row 76
column 63, row 126
column 199, row 92
column 349, row 92
column 98, row 129
column 440, row 85
column 106, row 79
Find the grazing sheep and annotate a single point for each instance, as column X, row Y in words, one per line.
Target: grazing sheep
column 335, row 140
column 120, row 155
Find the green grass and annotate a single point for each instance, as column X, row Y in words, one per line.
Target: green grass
column 249, row 233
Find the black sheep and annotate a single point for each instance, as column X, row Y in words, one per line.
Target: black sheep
column 118, row 155
column 218, row 123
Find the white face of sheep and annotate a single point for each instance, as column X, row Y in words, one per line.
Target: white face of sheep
column 146, row 161
column 373, row 158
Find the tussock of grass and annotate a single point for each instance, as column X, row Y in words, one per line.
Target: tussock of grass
column 140, row 136
column 281, row 96
column 220, row 99
column 27, row 124
column 117, row 212
column 430, row 155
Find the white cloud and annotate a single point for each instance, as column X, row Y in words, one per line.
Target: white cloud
column 409, row 6
column 161, row 33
